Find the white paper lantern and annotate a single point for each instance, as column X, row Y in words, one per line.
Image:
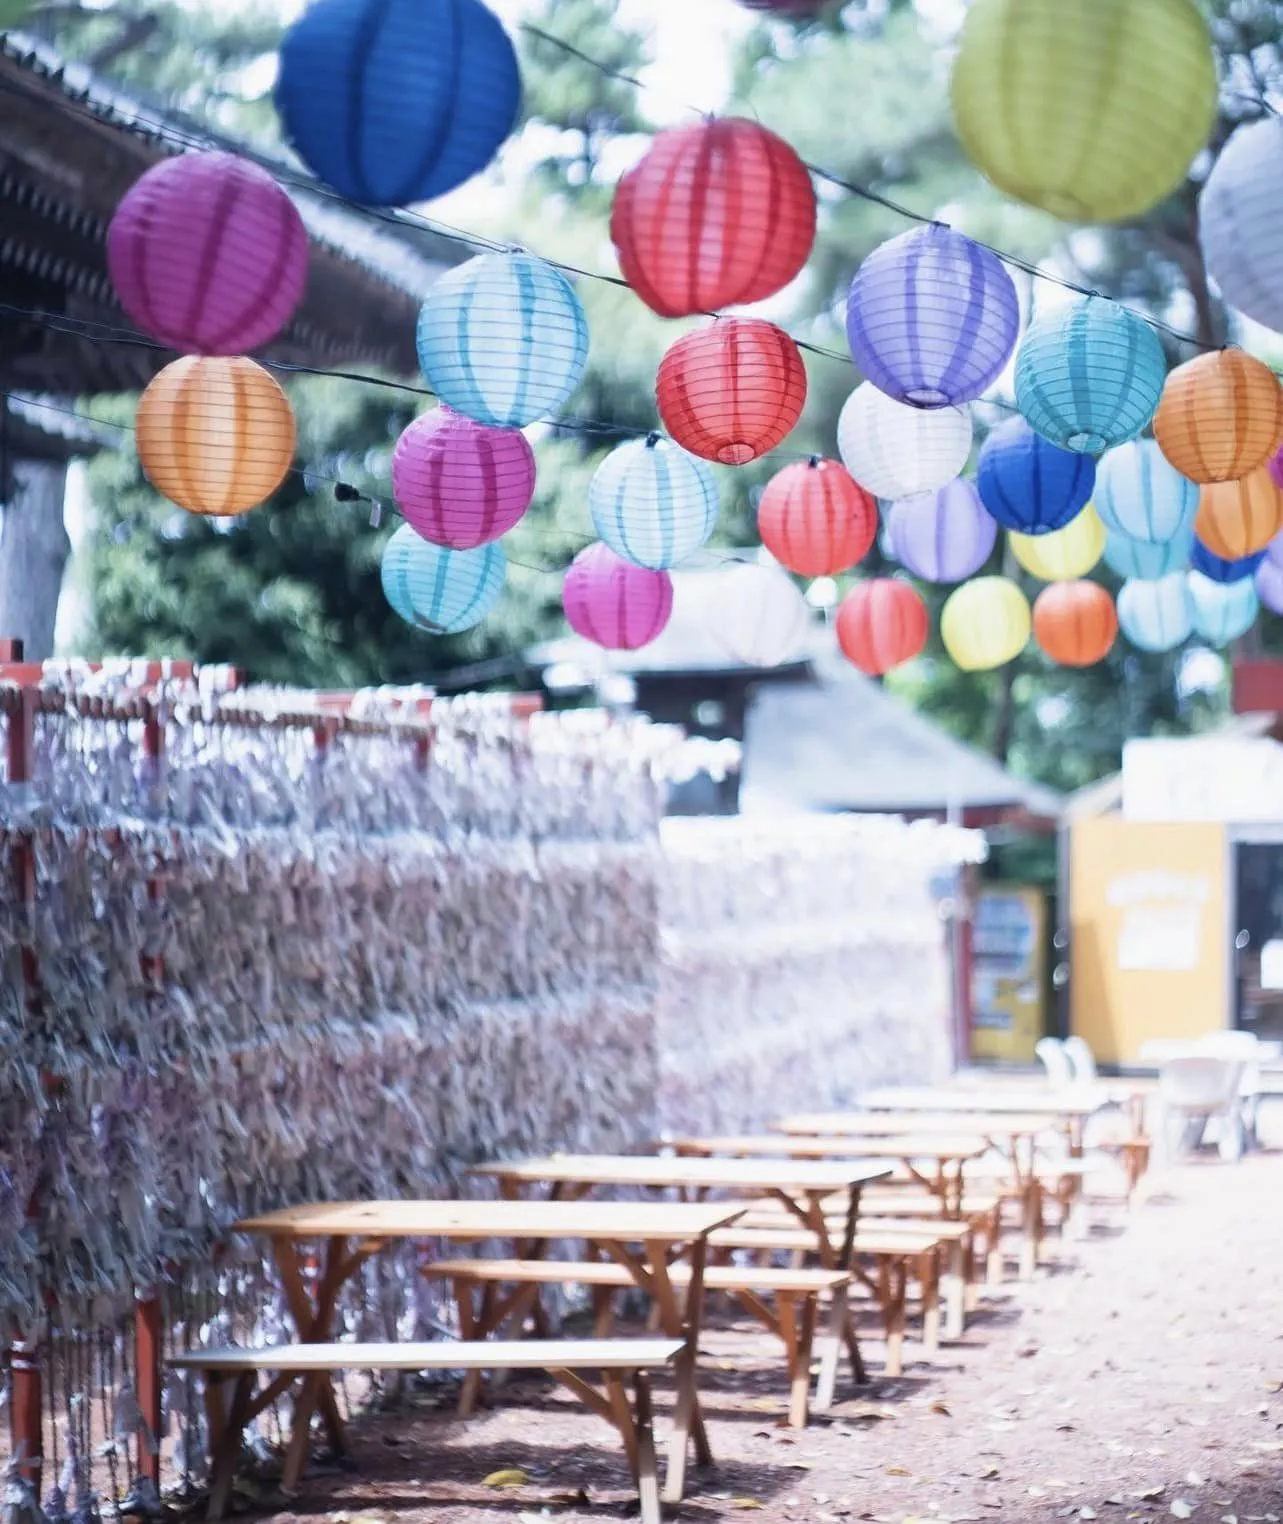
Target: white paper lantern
column 894, row 451
column 1241, row 221
column 757, row 615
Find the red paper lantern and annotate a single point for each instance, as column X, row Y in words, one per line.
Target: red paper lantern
column 716, row 215
column 1075, row 623
column 815, row 519
column 881, row 624
column 732, row 391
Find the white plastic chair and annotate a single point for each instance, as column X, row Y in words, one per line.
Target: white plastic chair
column 1245, row 1048
column 1194, row 1091
column 1051, row 1053
column 1082, row 1061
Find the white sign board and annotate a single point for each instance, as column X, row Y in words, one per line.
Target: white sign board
column 1161, row 928
column 1226, row 779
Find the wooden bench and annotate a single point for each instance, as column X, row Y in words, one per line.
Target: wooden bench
column 796, row 1293
column 564, row 1359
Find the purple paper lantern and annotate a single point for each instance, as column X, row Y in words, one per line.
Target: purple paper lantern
column 932, row 318
column 459, row 483
column 612, row 602
column 943, row 536
column 208, row 254
column 1269, row 582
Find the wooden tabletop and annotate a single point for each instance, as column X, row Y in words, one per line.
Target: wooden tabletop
column 919, row 1125
column 1081, row 1101
column 906, row 1146
column 668, row 1170
column 469, row 1221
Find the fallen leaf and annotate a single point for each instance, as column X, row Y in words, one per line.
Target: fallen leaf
column 1180, row 1509
column 510, row 1476
column 988, row 1476
column 939, row 1407
column 798, row 1466
column 1149, row 1493
column 745, row 1503
column 898, row 1471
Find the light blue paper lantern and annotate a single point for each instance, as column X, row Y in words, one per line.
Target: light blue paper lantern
column 1089, row 376
column 1222, row 610
column 1149, row 562
column 1140, row 494
column 652, row 503
column 1158, row 615
column 503, row 339
column 438, row 590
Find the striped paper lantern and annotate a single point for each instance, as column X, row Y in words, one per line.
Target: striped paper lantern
column 932, row 317
column 208, row 254
column 1140, row 494
column 716, row 214
column 613, row 602
column 1217, row 569
column 1065, row 554
column 1221, row 416
column 756, row 614
column 458, row 483
column 1028, row 484
column 881, row 624
column 815, row 519
column 1075, row 623
column 1089, row 376
column 942, row 536
column 503, row 339
column 440, row 590
column 1156, row 616
column 652, row 503
column 1145, row 559
column 1237, row 518
column 985, row 624
column 1223, row 611
column 394, row 101
column 894, row 451
column 1240, row 221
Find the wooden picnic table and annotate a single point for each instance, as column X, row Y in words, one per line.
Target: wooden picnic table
column 1068, row 1108
column 356, row 1230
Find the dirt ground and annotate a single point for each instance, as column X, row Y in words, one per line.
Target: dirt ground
column 1138, row 1378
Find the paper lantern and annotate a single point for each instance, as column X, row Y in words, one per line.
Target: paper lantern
column 1089, row 375
column 942, row 536
column 1065, row 554
column 1217, row 569
column 1240, row 221
column 614, row 603
column 732, row 391
column 985, row 624
column 1269, row 584
column 1029, row 485
column 652, row 503
column 1139, row 494
column 1237, row 518
column 1221, row 416
column 503, row 339
column 1222, row 610
column 215, row 434
column 894, row 451
column 458, row 483
column 439, row 590
column 1145, row 560
column 756, row 614
column 1075, row 623
column 208, row 254
column 716, row 214
column 815, row 520
column 1156, row 616
column 1091, row 111
column 396, row 101
column 932, row 317
column 881, row 624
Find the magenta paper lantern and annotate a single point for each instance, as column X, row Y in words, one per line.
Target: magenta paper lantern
column 612, row 602
column 943, row 536
column 458, row 483
column 208, row 254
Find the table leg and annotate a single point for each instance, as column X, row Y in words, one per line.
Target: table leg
column 929, row 1279
column 224, row 1456
column 955, row 1289
column 647, row 1473
column 314, row 1321
column 688, row 1421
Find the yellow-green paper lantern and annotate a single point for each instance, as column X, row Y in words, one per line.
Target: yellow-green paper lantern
column 985, row 624
column 1091, row 110
column 1065, row 554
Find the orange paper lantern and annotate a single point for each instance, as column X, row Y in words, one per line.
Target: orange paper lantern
column 815, row 519
column 1075, row 623
column 1236, row 519
column 1220, row 416
column 215, row 434
column 881, row 624
column 732, row 391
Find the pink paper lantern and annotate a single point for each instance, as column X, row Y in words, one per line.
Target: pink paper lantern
column 459, row 483
column 208, row 254
column 612, row 602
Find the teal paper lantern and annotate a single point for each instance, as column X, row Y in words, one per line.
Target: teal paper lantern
column 1158, row 615
column 652, row 503
column 1145, row 560
column 503, row 339
column 1139, row 493
column 1222, row 610
column 438, row 590
column 1089, row 376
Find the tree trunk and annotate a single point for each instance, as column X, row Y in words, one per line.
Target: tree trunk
column 1004, row 720
column 33, row 553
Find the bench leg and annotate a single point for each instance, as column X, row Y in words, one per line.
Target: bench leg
column 300, row 1433
column 647, row 1472
column 892, row 1277
column 688, row 1421
column 623, row 1417
column 798, row 1328
column 994, row 1268
column 954, row 1286
column 223, row 1458
column 1032, row 1205
column 471, row 1388
column 929, row 1277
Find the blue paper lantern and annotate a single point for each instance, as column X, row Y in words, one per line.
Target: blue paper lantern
column 1222, row 610
column 652, row 503
column 932, row 317
column 503, row 339
column 1147, row 561
column 439, row 590
column 1218, row 568
column 396, row 101
column 943, row 536
column 1028, row 484
column 1089, row 376
column 1141, row 494
column 1158, row 615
